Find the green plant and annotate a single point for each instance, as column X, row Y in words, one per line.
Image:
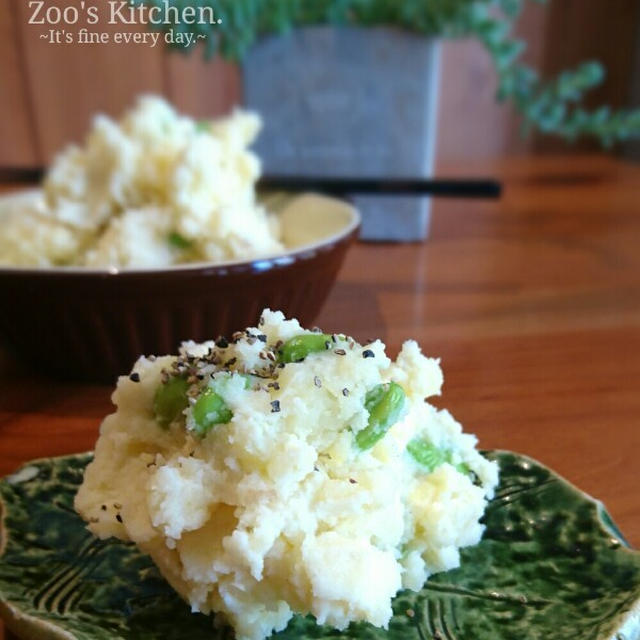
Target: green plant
column 553, row 106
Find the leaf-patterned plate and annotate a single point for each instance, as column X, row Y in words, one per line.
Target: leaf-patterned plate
column 551, row 566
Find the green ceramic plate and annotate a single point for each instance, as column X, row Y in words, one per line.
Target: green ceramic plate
column 551, row 566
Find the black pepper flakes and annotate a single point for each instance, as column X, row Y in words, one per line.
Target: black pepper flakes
column 274, row 385
column 317, row 382
column 275, row 406
column 134, row 377
column 345, row 392
column 118, row 517
column 367, row 353
column 104, row 507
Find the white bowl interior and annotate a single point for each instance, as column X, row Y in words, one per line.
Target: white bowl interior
column 312, row 219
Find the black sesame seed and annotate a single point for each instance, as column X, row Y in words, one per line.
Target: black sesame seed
column 262, row 337
column 134, row 377
column 275, row 406
column 118, row 517
column 345, row 392
column 327, row 344
column 104, row 507
column 317, row 381
column 340, row 352
column 353, row 481
column 222, row 343
column 367, row 353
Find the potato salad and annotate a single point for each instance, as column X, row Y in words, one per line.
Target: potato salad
column 153, row 189
column 283, row 470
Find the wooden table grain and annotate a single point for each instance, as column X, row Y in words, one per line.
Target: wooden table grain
column 532, row 303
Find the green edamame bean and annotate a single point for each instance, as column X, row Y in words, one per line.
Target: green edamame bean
column 385, row 403
column 430, row 457
column 170, row 400
column 299, row 347
column 208, row 410
column 178, row 241
column 426, row 454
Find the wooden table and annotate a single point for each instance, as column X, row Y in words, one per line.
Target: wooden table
column 532, row 302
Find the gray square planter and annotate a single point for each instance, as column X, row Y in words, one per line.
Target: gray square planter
column 352, row 102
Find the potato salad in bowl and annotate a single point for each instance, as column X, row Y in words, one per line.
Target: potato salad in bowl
column 153, row 189
column 282, row 470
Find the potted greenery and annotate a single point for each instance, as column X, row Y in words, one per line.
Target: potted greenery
column 281, row 41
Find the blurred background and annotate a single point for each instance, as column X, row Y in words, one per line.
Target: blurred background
column 49, row 92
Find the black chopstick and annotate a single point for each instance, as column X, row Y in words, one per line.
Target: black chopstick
column 21, row 175
column 442, row 187
column 339, row 186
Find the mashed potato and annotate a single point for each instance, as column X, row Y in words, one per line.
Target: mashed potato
column 284, row 471
column 151, row 190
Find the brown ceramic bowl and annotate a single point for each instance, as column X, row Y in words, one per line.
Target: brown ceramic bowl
column 90, row 324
